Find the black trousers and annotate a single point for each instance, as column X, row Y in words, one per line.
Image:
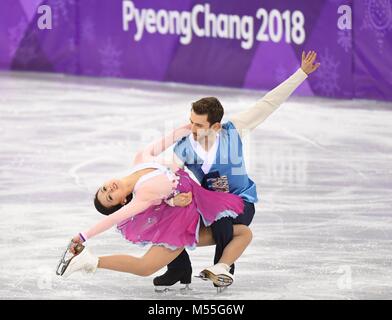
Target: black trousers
column 222, row 231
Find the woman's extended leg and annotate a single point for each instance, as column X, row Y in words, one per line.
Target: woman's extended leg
column 154, row 259
column 242, row 236
column 157, row 256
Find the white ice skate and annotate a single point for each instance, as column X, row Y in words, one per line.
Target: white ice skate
column 219, row 274
column 85, row 261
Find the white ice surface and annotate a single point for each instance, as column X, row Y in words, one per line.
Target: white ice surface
column 323, row 167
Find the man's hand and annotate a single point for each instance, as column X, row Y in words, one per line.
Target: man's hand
column 307, row 64
column 182, row 199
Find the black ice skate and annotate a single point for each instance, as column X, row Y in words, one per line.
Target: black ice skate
column 166, row 281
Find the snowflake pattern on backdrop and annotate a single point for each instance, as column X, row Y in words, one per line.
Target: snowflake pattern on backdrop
column 110, row 60
column 326, row 78
column 378, row 17
column 345, row 40
column 15, row 35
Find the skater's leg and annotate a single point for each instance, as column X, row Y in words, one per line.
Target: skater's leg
column 182, row 261
column 222, row 232
column 205, row 237
column 242, row 236
column 180, row 269
column 220, row 274
column 154, row 259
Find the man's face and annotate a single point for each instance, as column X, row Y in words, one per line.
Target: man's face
column 200, row 126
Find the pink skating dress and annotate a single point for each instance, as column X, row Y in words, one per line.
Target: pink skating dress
column 149, row 219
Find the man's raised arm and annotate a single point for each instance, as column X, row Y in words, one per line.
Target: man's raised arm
column 249, row 119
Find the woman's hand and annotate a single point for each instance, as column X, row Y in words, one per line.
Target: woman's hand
column 76, row 240
column 182, row 199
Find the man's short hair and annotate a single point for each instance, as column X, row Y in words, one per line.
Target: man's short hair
column 211, row 107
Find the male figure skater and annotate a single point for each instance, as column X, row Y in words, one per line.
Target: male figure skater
column 213, row 152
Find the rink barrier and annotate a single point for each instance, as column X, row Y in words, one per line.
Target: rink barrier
column 218, row 43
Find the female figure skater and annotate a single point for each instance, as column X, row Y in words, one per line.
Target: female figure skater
column 150, row 217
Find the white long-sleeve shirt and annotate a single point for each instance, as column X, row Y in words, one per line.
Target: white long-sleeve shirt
column 248, row 120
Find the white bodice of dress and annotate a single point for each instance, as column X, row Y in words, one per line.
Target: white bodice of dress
column 160, row 169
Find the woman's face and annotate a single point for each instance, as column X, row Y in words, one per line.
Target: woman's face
column 112, row 193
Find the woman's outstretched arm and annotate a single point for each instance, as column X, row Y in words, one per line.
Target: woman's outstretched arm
column 139, row 203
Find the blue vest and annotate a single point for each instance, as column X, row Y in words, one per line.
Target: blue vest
column 229, row 162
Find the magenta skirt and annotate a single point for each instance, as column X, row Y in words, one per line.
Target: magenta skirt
column 175, row 227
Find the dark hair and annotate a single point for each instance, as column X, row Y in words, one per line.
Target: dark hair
column 209, row 106
column 108, row 211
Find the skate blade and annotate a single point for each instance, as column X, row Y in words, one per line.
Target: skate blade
column 175, row 287
column 220, row 280
column 64, row 262
column 63, row 265
column 202, row 277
